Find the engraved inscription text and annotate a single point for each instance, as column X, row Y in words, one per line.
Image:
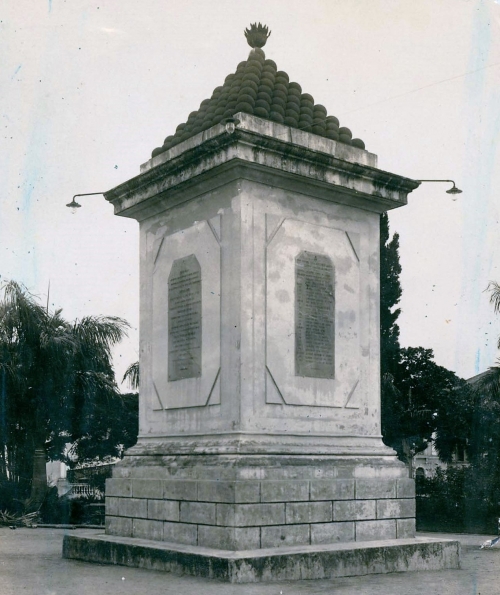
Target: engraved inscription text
column 314, row 316
column 184, row 319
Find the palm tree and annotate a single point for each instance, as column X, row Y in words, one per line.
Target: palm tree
column 54, row 375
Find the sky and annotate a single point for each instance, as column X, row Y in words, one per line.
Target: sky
column 88, row 89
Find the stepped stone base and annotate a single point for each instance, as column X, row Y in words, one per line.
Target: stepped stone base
column 262, row 565
column 261, row 517
column 235, row 502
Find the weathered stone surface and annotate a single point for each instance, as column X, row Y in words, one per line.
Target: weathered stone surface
column 118, row 526
column 312, row 562
column 180, row 533
column 229, row 538
column 405, row 528
column 375, row 488
column 286, row 535
column 308, row 512
column 336, row 489
column 198, row 512
column 132, row 507
column 180, row 489
column 147, row 529
column 405, row 488
column 248, row 515
column 112, row 506
column 375, row 530
column 147, row 488
column 229, row 491
column 395, row 509
column 354, row 510
column 118, row 487
column 332, row 533
column 163, row 510
column 284, row 491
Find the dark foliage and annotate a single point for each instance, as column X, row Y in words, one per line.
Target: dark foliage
column 458, row 499
column 85, row 510
column 390, row 294
column 417, row 395
column 57, row 386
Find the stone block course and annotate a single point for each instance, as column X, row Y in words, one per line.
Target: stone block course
column 180, row 533
column 229, row 538
column 285, row 535
column 145, row 529
column 333, row 489
column 308, row 512
column 405, row 488
column 250, row 515
column 180, row 489
column 395, row 509
column 118, row 487
column 405, row 528
column 375, row 488
column 353, row 510
column 332, row 532
column 284, row 491
column 229, row 491
column 112, row 506
column 132, row 507
column 147, row 488
column 163, row 510
column 118, row 526
column 375, row 530
column 198, row 512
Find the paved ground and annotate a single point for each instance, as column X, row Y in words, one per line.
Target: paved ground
column 31, row 564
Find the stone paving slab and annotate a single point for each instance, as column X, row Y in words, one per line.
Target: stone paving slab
column 31, row 564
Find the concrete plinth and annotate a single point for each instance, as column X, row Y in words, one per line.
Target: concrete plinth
column 253, row 566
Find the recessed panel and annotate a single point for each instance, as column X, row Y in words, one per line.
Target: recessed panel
column 312, row 316
column 186, row 318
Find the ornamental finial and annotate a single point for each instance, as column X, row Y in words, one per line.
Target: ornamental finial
column 257, row 35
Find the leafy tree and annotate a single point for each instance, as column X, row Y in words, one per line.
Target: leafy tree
column 390, row 294
column 113, row 427
column 414, row 388
column 420, row 388
column 57, row 386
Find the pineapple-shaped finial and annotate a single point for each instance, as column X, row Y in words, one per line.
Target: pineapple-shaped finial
column 257, row 35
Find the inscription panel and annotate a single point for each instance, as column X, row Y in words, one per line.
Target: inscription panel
column 184, row 319
column 314, row 316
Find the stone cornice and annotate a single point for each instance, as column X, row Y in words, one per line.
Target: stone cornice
column 262, row 151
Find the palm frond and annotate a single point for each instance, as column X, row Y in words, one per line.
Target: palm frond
column 132, row 376
column 100, row 331
column 494, row 289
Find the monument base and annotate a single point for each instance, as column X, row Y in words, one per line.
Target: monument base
column 238, row 502
column 266, row 565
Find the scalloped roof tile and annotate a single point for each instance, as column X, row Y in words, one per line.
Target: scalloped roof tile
column 258, row 87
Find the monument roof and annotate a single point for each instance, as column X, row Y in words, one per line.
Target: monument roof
column 257, row 87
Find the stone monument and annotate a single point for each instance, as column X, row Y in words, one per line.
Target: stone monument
column 260, row 454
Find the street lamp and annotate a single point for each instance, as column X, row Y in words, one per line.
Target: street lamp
column 452, row 190
column 230, row 124
column 73, row 205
